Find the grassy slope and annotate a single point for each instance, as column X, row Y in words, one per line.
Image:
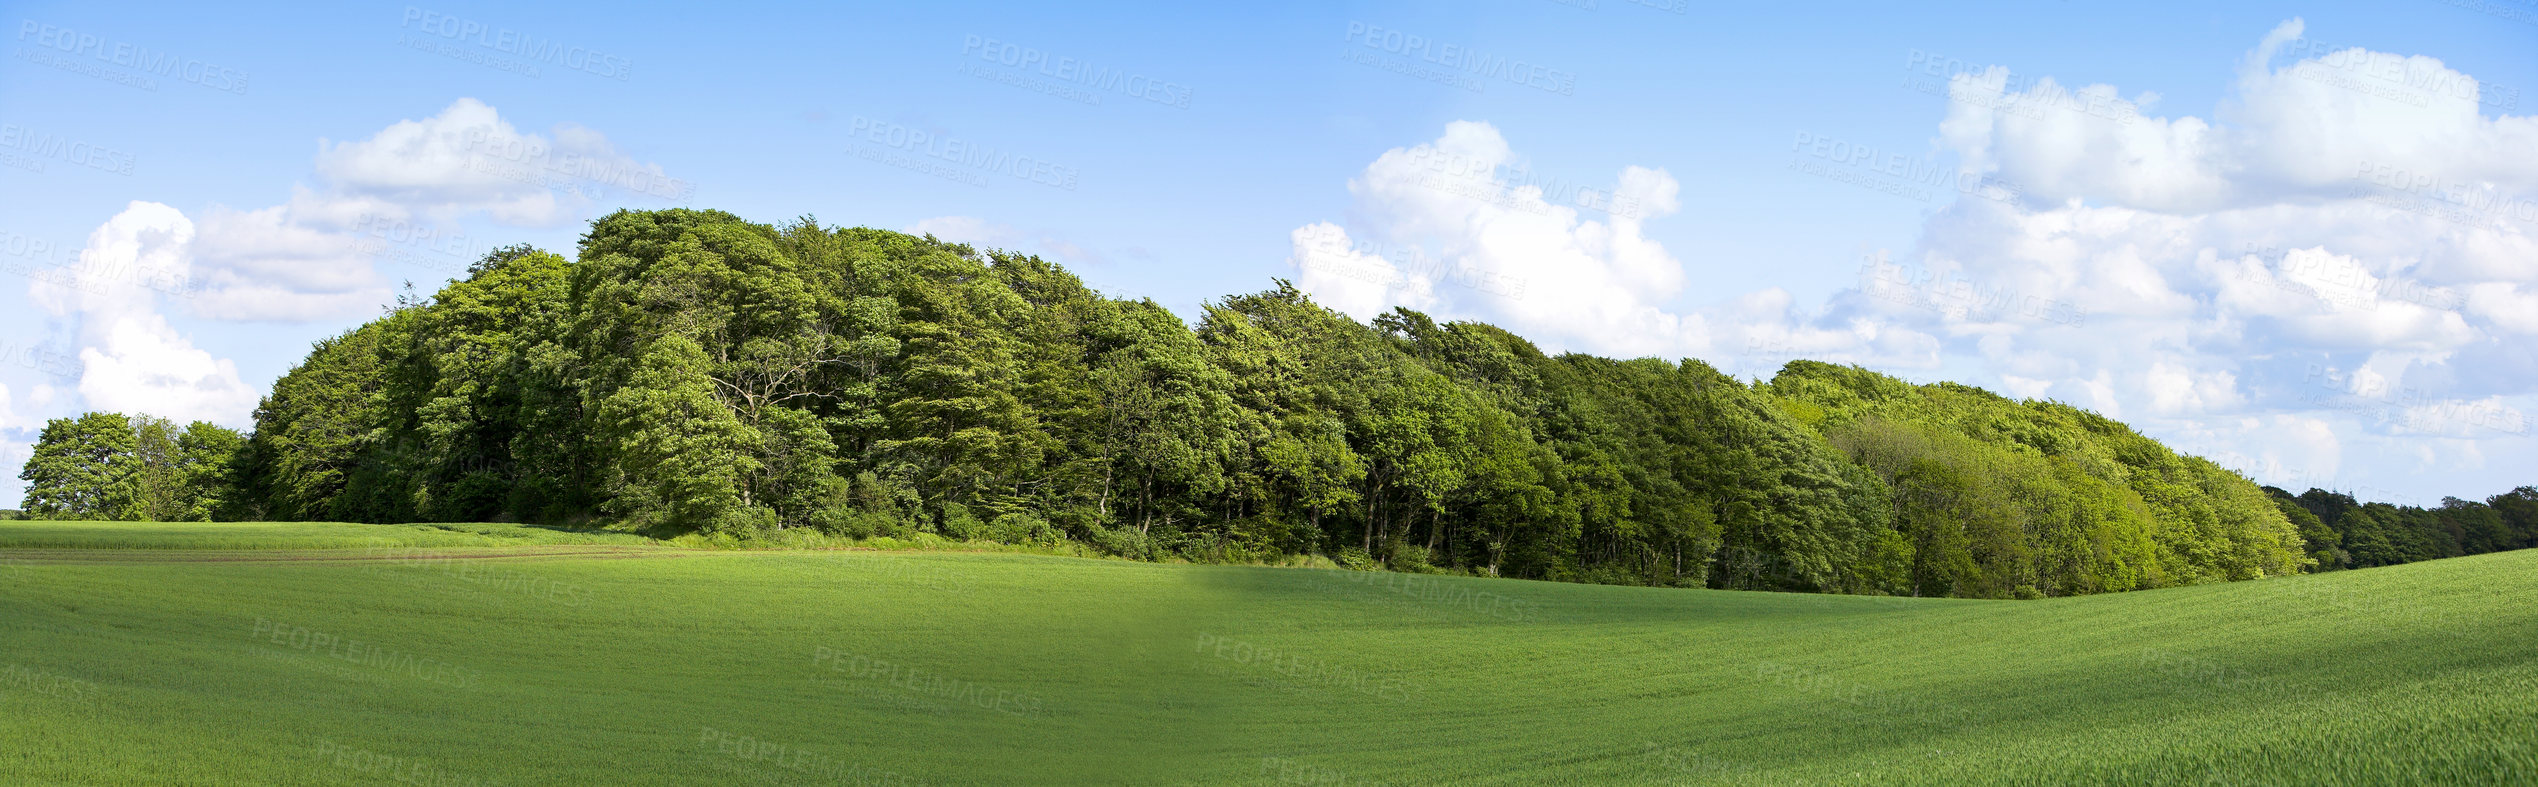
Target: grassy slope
column 690, row 667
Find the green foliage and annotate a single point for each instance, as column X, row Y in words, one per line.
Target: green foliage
column 1997, row 495
column 81, row 468
column 131, row 468
column 693, row 373
column 204, row 473
column 2345, row 533
column 1021, row 527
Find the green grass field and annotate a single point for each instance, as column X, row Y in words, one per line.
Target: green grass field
column 310, row 654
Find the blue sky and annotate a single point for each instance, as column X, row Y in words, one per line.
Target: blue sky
column 2297, row 238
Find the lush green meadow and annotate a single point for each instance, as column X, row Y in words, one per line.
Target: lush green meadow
column 311, row 654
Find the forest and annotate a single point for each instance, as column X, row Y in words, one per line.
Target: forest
column 693, row 372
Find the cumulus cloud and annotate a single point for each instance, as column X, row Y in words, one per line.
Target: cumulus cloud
column 2307, row 122
column 314, row 256
column 280, row 263
column 468, row 159
column 144, row 366
column 2290, row 450
column 2505, row 306
column 132, row 361
column 1457, row 226
column 2341, row 203
column 2176, row 389
column 2343, row 247
column 1444, row 218
column 143, row 246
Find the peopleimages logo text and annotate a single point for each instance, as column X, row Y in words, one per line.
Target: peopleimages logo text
column 135, row 57
column 42, row 145
column 1068, row 69
column 966, row 156
column 1455, row 57
column 513, row 42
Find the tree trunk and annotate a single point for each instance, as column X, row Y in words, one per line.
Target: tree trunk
column 1109, row 467
column 1145, row 504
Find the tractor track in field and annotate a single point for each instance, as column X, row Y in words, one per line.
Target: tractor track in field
column 36, row 556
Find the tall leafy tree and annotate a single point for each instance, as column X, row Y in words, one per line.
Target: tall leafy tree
column 83, row 468
column 207, row 461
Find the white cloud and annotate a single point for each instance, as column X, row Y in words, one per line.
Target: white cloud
column 2335, row 301
column 2285, row 450
column 2299, row 132
column 312, row 257
column 145, row 244
column 132, row 360
column 279, row 263
column 144, row 366
column 259, row 301
column 2276, row 228
column 2176, row 390
column 274, row 244
column 2465, row 419
column 1437, row 229
column 468, row 159
column 2505, row 306
column 1461, row 238
column 2342, row 209
column 2026, row 387
column 1359, row 282
column 2056, row 141
column 2339, row 206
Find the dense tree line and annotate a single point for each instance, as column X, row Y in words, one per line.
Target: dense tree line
column 2351, row 534
column 136, row 468
column 694, row 372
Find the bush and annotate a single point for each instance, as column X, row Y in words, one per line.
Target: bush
column 1075, row 522
column 1413, row 559
column 477, row 497
column 852, row 522
column 743, row 522
column 1022, row 528
column 961, row 525
column 1123, row 542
